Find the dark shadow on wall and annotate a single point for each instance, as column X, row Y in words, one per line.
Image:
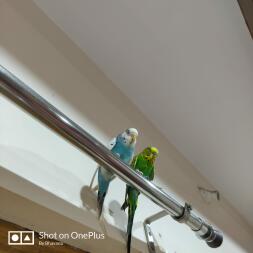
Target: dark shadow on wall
column 119, row 217
column 89, row 198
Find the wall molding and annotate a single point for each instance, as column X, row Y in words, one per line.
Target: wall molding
column 247, row 11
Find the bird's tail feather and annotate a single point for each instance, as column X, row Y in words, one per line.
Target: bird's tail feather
column 129, row 231
column 100, row 203
column 129, row 237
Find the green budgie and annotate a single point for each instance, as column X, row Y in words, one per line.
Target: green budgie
column 143, row 164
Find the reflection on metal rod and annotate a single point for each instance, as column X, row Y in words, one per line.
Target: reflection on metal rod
column 26, row 97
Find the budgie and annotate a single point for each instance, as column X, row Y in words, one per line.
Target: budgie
column 123, row 146
column 143, row 164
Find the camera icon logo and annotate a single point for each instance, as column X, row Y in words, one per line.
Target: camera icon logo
column 20, row 237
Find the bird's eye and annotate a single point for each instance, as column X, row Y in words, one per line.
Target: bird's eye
column 127, row 131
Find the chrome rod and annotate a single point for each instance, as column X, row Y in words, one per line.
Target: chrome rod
column 148, row 231
column 149, row 237
column 18, row 91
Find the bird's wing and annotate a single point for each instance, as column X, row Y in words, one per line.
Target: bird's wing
column 110, row 146
column 112, row 143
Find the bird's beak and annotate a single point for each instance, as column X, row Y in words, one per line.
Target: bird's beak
column 133, row 139
column 153, row 157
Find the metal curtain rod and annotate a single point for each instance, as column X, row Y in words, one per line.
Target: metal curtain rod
column 15, row 89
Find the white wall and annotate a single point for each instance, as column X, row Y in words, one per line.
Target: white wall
column 194, row 60
column 43, row 57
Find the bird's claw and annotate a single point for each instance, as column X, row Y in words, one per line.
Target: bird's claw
column 123, row 207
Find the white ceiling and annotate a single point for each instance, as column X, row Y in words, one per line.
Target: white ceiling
column 188, row 65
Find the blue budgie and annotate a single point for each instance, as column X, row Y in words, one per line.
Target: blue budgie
column 124, row 146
